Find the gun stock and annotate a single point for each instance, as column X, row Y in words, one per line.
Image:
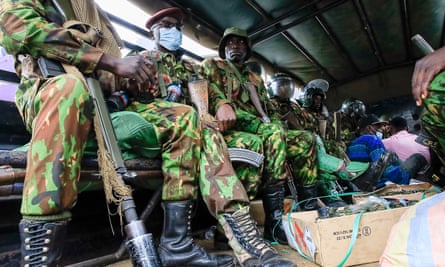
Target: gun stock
column 337, row 125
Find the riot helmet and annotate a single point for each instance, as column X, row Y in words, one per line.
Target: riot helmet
column 353, row 107
column 281, row 86
column 312, row 88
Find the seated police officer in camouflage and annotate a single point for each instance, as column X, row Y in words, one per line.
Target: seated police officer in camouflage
column 351, row 111
column 334, row 174
column 233, row 104
column 57, row 110
column 241, row 122
column 313, row 104
column 221, row 190
column 178, row 131
column 237, row 99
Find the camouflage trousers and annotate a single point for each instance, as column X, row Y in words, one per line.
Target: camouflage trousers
column 58, row 112
column 302, row 155
column 270, row 141
column 336, row 148
column 220, row 187
column 433, row 114
column 179, row 133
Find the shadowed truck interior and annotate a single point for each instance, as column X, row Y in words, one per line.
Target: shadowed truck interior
column 363, row 48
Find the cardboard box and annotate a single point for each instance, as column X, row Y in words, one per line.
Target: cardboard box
column 415, row 192
column 327, row 241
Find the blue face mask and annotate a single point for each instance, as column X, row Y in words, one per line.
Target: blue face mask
column 170, row 38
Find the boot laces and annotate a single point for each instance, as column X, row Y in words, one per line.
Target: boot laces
column 249, row 232
column 36, row 242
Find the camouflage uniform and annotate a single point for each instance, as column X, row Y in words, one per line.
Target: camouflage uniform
column 58, row 111
column 225, row 88
column 330, row 167
column 433, row 115
column 349, row 128
column 309, row 121
column 220, row 188
column 178, row 130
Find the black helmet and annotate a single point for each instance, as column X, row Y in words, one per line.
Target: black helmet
column 314, row 87
column 281, row 86
column 353, row 106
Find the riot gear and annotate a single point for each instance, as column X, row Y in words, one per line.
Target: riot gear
column 281, row 86
column 353, row 107
column 314, row 87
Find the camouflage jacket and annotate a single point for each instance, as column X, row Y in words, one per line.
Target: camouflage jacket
column 225, row 88
column 174, row 71
column 294, row 115
column 33, row 27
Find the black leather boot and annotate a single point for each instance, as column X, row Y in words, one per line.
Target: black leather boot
column 247, row 243
column 368, row 180
column 328, row 188
column 220, row 241
column 177, row 247
column 309, row 193
column 41, row 242
column 273, row 201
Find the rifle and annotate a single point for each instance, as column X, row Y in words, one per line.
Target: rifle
column 139, row 243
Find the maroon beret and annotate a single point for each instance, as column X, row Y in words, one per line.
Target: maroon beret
column 168, row 12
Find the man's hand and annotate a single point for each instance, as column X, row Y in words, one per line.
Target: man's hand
column 226, row 117
column 425, row 70
column 137, row 68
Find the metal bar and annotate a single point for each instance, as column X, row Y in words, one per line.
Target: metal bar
column 296, row 22
column 335, row 42
column 370, row 33
column 406, row 28
column 279, row 19
column 291, row 40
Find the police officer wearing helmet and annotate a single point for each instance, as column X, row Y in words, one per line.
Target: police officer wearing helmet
column 352, row 110
column 332, row 161
column 353, row 107
column 281, row 86
column 315, row 96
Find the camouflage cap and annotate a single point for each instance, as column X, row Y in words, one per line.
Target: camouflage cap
column 167, row 12
column 233, row 31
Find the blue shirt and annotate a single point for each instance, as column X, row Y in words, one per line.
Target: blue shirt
column 369, row 148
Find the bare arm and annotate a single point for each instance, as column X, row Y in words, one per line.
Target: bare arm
column 226, row 117
column 424, row 71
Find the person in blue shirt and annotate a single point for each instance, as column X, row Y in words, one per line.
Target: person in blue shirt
column 368, row 147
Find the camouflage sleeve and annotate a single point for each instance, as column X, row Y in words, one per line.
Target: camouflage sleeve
column 274, row 110
column 268, row 105
column 24, row 29
column 217, row 96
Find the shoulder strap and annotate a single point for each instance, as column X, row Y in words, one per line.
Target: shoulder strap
column 159, row 67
